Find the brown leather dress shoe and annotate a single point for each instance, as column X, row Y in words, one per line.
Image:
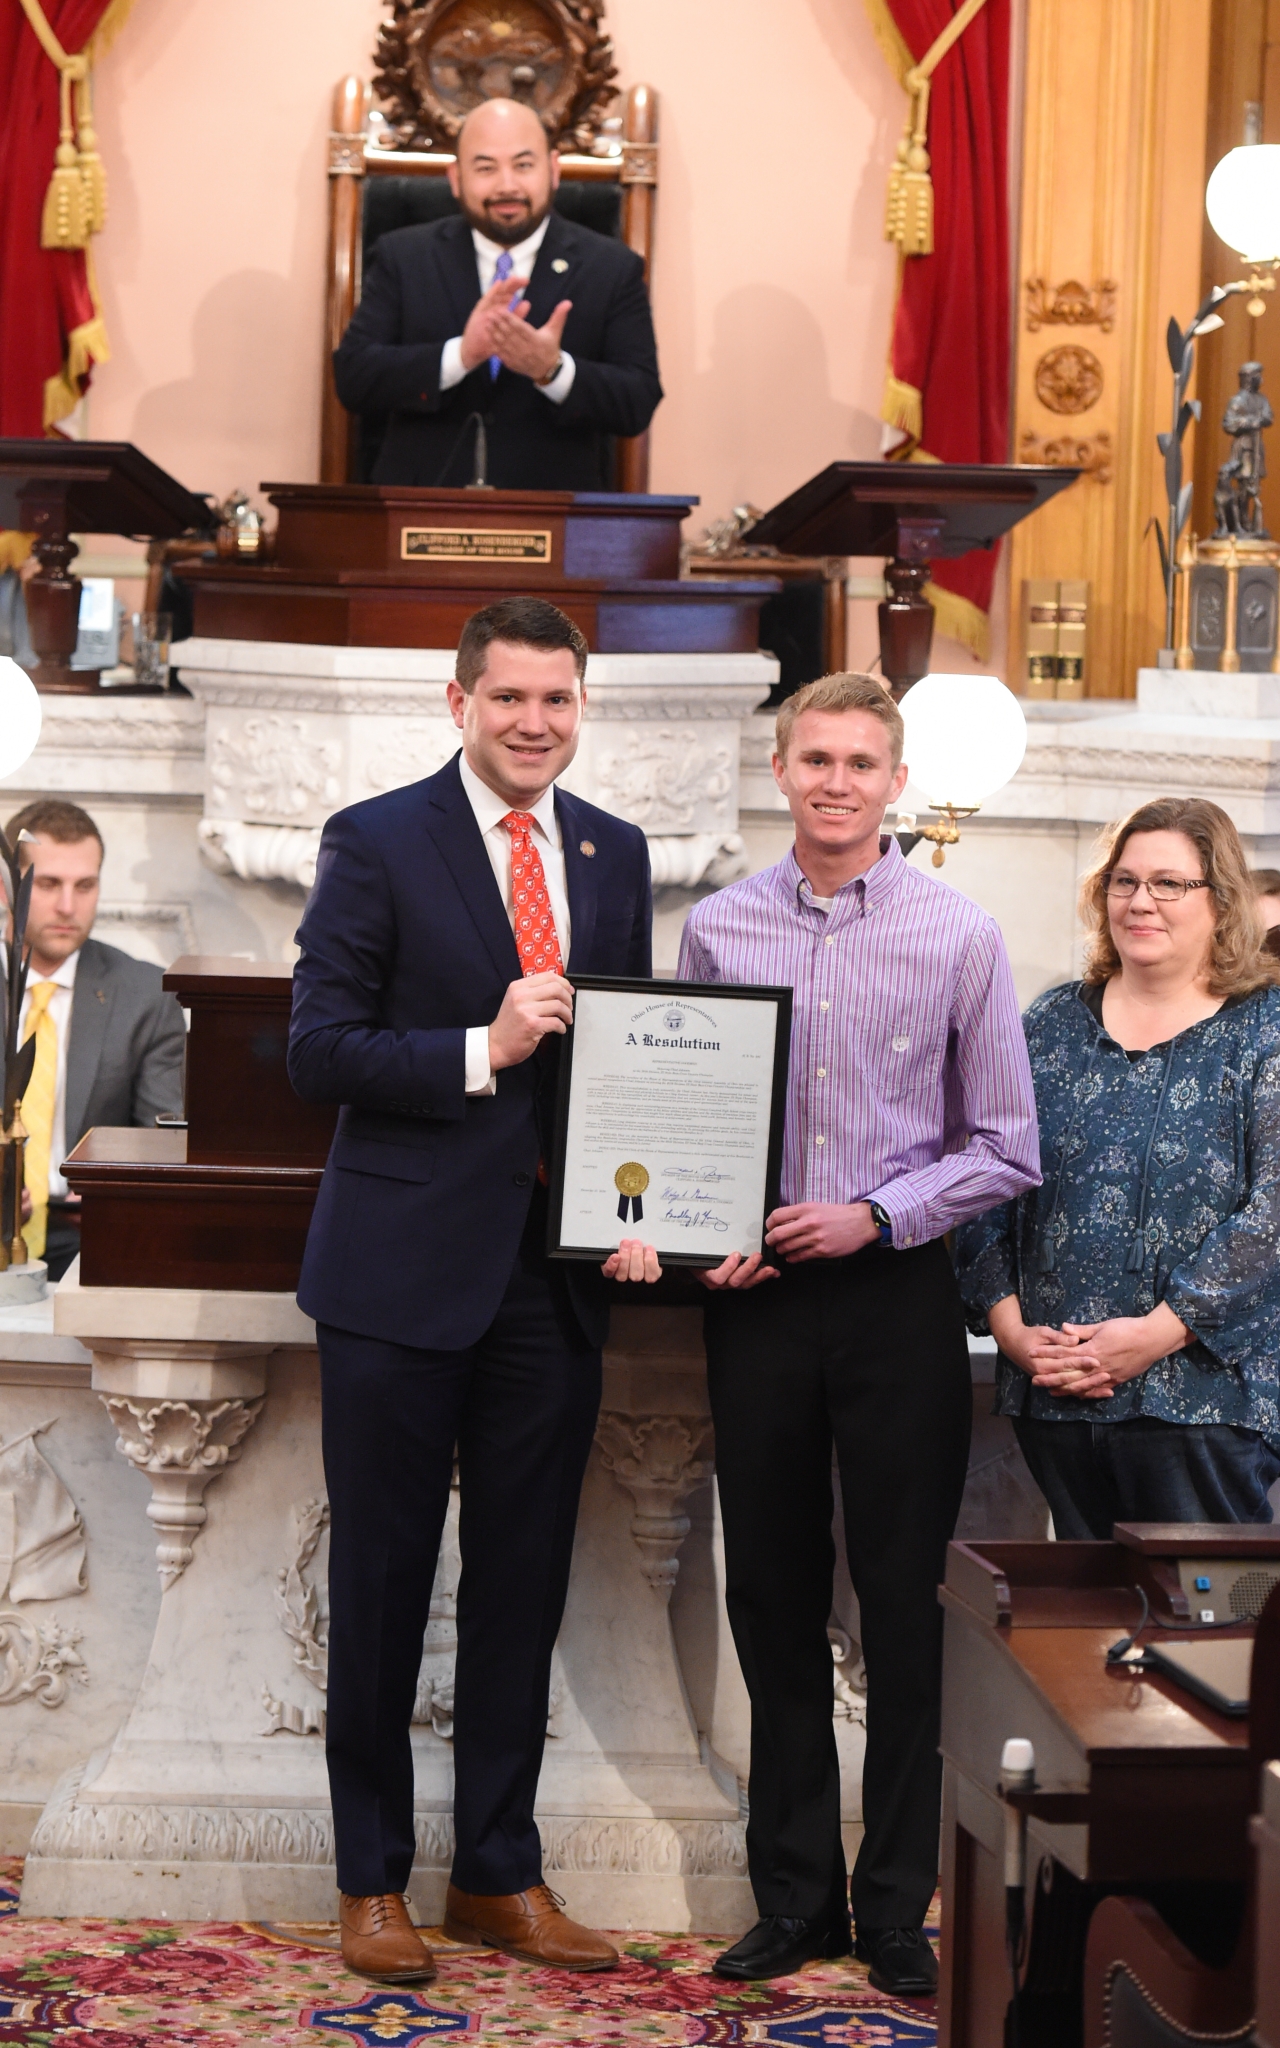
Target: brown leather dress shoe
column 379, row 1940
column 530, row 1925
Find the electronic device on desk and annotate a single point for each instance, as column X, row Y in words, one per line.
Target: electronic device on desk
column 222, row 1199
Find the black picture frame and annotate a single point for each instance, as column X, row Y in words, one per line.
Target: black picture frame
column 780, row 997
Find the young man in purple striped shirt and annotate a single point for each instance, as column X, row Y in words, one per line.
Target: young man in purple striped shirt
column 909, row 1109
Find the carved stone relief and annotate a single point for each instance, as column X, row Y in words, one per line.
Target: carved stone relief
column 260, row 853
column 42, row 1557
column 658, row 1459
column 849, row 1674
column 272, row 769
column 181, row 1446
column 1069, row 379
column 71, row 1828
column 37, row 1658
column 409, row 751
column 1071, row 304
column 662, row 780
column 301, row 1611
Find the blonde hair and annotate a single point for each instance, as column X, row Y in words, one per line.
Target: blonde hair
column 841, row 693
column 1237, row 963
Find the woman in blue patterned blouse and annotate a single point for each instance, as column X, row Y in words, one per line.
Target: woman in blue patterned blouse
column 1135, row 1295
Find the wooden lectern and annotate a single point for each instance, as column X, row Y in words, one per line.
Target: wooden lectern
column 56, row 488
column 224, row 1201
column 380, row 565
column 912, row 513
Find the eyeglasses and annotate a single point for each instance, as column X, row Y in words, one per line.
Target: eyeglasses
column 1160, row 888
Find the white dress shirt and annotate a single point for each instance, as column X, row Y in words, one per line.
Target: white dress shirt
column 452, row 368
column 490, row 810
column 60, row 1010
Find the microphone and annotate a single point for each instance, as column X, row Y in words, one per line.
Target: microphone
column 1017, row 1774
column 480, row 479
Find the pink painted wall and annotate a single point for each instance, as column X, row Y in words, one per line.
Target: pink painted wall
column 773, row 285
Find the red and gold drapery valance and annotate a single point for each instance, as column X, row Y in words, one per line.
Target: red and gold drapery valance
column 54, row 198
column 947, row 386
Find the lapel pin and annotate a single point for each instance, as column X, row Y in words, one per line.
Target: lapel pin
column 587, row 848
column 558, row 263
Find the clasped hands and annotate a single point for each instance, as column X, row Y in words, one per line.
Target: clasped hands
column 496, row 327
column 1087, row 1361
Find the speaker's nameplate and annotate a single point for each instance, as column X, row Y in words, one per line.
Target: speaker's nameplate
column 478, row 544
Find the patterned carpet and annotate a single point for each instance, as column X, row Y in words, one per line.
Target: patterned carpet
column 147, row 1984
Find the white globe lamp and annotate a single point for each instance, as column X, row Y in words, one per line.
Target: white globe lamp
column 1242, row 200
column 20, row 716
column 965, row 738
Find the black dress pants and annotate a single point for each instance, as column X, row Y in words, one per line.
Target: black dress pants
column 870, row 1353
column 520, row 1405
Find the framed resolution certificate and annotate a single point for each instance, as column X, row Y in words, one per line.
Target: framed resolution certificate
column 669, row 1118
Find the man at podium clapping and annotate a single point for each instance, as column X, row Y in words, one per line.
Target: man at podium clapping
column 507, row 311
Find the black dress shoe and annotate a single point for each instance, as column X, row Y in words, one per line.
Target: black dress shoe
column 902, row 1962
column 776, row 1946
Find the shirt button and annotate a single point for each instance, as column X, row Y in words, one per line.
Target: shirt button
column 520, row 1180
column 822, row 1073
column 828, row 941
column 824, row 1006
column 819, row 1141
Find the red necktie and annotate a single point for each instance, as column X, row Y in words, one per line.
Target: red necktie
column 537, row 942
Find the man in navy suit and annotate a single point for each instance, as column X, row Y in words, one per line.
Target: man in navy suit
column 508, row 310
column 426, row 1003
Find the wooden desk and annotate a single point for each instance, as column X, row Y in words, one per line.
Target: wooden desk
column 1138, row 1784
column 377, row 565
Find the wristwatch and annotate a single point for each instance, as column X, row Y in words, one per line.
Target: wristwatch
column 880, row 1217
column 551, row 375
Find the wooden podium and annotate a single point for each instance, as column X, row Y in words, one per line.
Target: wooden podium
column 224, row 1201
column 1140, row 1787
column 56, row 488
column 374, row 565
column 912, row 513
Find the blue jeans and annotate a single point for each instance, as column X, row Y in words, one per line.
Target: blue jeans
column 1094, row 1474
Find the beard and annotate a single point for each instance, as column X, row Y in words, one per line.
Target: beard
column 505, row 233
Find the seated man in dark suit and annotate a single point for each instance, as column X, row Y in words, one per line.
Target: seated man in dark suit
column 427, row 1002
column 507, row 310
column 109, row 1042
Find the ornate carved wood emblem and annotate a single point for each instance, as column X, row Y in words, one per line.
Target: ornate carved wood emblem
column 1069, row 379
column 1090, row 453
column 1071, row 304
column 439, row 58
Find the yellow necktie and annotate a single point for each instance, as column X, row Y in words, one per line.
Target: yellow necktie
column 37, row 1112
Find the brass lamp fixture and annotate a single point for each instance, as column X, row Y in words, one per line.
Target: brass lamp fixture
column 965, row 739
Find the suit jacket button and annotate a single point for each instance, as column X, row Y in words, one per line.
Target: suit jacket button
column 521, row 1180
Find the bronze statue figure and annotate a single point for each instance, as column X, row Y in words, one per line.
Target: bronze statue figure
column 1237, row 499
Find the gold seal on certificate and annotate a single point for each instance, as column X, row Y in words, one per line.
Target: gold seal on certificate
column 631, row 1180
column 669, row 1118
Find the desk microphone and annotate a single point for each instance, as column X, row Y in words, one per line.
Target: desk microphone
column 480, row 478
column 1017, row 1774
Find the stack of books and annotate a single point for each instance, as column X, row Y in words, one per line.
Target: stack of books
column 1054, row 635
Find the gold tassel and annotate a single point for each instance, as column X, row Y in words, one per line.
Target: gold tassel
column 93, row 175
column 909, row 207
column 62, row 224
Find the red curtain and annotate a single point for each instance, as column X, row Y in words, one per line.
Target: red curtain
column 51, row 330
column 949, row 364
